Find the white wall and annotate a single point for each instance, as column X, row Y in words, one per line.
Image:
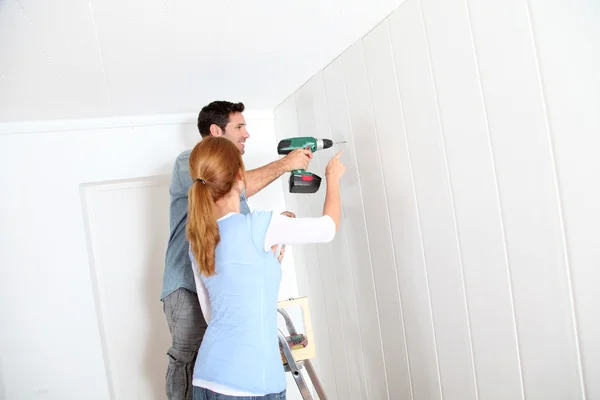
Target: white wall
column 84, row 218
column 466, row 266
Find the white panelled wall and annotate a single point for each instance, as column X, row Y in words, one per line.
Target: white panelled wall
column 467, row 262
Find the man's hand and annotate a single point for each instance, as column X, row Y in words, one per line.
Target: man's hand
column 257, row 179
column 297, row 159
column 274, row 247
column 281, row 253
column 289, row 214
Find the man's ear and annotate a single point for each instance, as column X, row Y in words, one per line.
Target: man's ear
column 215, row 130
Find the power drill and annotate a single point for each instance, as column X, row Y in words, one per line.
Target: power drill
column 302, row 181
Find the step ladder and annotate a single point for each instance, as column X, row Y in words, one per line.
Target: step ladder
column 296, row 358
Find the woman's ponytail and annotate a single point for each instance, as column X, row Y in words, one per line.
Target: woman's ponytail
column 215, row 165
column 202, row 231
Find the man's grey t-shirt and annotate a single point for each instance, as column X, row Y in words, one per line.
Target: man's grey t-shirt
column 178, row 270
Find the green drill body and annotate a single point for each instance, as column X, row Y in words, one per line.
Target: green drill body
column 302, row 181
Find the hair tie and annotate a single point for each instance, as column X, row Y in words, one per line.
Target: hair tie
column 201, row 181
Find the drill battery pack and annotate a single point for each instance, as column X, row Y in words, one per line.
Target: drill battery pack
column 304, row 182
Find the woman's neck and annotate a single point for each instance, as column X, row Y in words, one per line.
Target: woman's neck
column 228, row 204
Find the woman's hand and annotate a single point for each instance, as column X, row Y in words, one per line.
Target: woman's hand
column 335, row 168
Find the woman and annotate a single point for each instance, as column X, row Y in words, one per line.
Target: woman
column 238, row 276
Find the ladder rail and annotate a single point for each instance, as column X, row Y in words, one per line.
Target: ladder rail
column 288, row 321
column 287, row 352
column 315, row 380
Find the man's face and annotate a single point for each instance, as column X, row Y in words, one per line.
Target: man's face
column 236, row 131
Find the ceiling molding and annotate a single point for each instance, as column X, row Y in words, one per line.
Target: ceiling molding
column 63, row 125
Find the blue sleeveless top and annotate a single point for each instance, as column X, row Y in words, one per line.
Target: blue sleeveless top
column 240, row 348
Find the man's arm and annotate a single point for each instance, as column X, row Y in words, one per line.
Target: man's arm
column 258, row 178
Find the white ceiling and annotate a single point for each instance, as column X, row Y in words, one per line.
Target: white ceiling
column 97, row 58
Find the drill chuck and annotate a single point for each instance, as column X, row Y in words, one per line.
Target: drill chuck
column 324, row 144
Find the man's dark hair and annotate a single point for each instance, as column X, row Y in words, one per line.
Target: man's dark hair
column 217, row 113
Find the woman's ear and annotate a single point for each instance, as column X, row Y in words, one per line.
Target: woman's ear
column 240, row 175
column 241, row 180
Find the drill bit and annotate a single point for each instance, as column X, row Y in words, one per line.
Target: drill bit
column 343, row 141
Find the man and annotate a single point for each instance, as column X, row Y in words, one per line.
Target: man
column 180, row 301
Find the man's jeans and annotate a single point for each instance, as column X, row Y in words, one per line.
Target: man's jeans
column 187, row 326
column 205, row 394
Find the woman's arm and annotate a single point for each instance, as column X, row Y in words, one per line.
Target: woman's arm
column 333, row 204
column 283, row 230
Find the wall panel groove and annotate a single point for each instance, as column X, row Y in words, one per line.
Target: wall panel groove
column 353, row 327
column 559, row 200
column 568, row 62
column 304, row 99
column 396, row 391
column 322, row 128
column 374, row 355
column 410, row 189
column 425, row 379
column 441, row 252
column 451, row 200
column 503, row 256
column 315, row 293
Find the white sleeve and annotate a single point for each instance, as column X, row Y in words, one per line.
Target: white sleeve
column 202, row 292
column 284, row 230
